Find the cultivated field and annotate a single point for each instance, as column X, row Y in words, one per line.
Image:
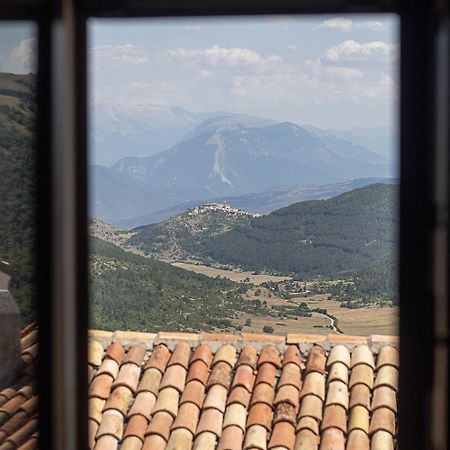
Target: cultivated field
column 234, row 275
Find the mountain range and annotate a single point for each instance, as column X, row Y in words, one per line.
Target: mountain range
column 228, row 156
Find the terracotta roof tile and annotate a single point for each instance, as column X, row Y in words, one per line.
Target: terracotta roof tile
column 180, row 439
column 143, row 404
column 231, row 439
column 306, row 440
column 239, row 395
column 115, row 351
column 249, row 357
column 159, row 358
column 160, row 423
column 358, row 440
column 332, row 439
column 270, row 355
column 175, row 376
column 188, row 416
column 203, row 353
column 194, row 392
column 198, row 371
column 216, row 398
column 283, row 435
column 135, row 355
column 225, row 392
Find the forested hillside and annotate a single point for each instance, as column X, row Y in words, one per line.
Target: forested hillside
column 324, row 237
column 17, row 186
column 130, row 292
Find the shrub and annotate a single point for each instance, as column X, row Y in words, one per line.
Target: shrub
column 267, row 329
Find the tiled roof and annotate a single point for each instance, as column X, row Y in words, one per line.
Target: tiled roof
column 19, row 402
column 182, row 391
column 177, row 391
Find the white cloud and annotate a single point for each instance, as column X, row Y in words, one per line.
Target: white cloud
column 293, row 47
column 23, row 57
column 355, row 51
column 346, row 24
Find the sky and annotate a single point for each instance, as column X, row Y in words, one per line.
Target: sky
column 326, row 71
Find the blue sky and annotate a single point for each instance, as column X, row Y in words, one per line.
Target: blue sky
column 327, row 71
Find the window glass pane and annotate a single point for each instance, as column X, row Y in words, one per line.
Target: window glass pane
column 244, row 174
column 18, row 309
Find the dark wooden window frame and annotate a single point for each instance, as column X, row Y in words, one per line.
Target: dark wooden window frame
column 63, row 183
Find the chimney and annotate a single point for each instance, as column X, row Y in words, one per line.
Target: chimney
column 10, row 324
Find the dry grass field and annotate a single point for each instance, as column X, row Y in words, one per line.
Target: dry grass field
column 234, row 275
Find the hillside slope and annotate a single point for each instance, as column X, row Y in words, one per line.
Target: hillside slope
column 17, row 186
column 130, row 292
column 323, row 237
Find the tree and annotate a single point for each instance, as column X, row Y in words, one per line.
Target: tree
column 248, row 322
column 267, row 329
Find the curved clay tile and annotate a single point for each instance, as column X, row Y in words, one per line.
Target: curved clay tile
column 216, row 398
column 101, row 386
column 194, row 392
column 180, row 355
column 119, row 400
column 382, row 440
column 111, row 424
column 306, row 440
column 362, row 374
column 202, row 353
column 263, row 393
column 248, row 357
column 129, row 374
column 269, row 355
column 198, row 370
column 260, row 414
column 107, row 442
column 110, row 367
column 154, row 442
column 143, row 404
column 174, row 376
column 360, row 395
column 226, row 354
column 358, row 440
column 308, row 423
column 159, row 358
column 285, row 412
column 187, row 417
column 337, row 394
column 384, row 396
column 316, row 360
column 362, row 355
column 160, row 424
column 135, row 355
column 266, row 374
column 338, row 372
column 136, row 426
column 332, row 439
column 255, row 438
column 339, row 354
column 283, row 435
column 115, row 351
column 92, row 432
column 205, row 440
column 239, row 395
column 231, row 439
column 220, row 374
column 290, row 375
column 167, row 401
column 387, row 376
column 244, row 377
column 313, row 383
column 236, row 415
column 334, row 416
column 210, row 421
column 359, row 419
column 383, row 419
column 95, row 408
column 150, row 381
column 311, row 406
column 292, row 355
column 388, row 356
column 131, row 443
column 95, row 353
column 180, row 439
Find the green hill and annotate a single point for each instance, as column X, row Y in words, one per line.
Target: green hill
column 130, row 292
column 17, row 186
column 334, row 237
column 182, row 236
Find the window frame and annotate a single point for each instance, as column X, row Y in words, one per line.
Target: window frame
column 62, row 250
